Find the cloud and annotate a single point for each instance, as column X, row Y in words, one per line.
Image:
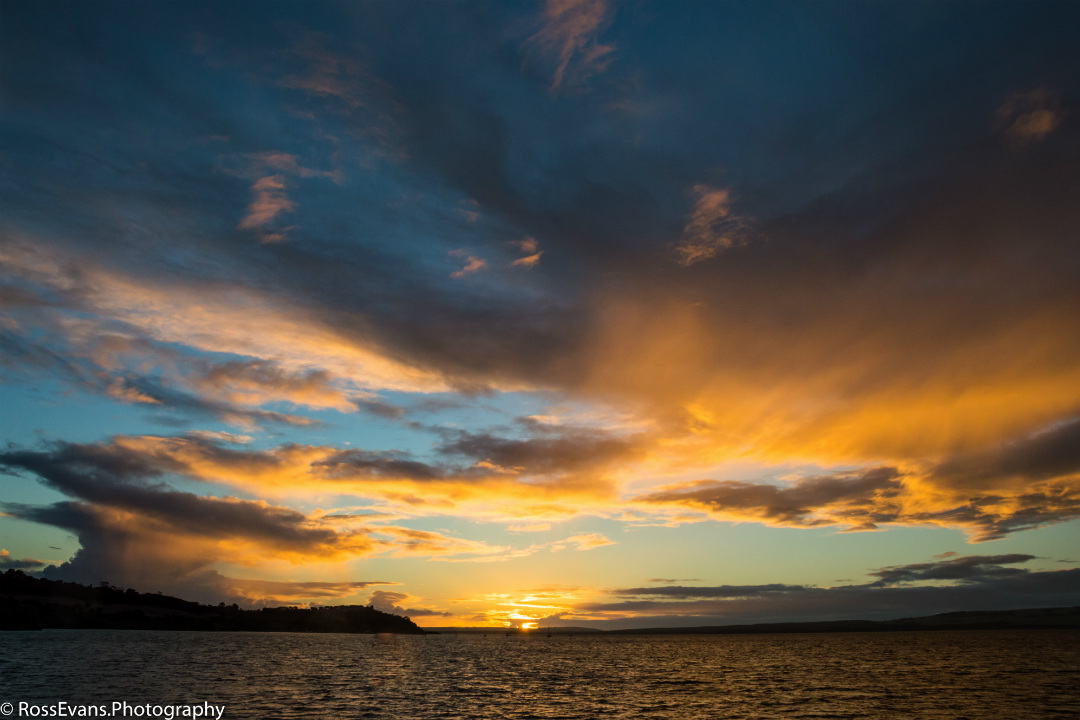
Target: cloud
column 582, row 541
column 270, row 201
column 1046, row 454
column 970, row 568
column 473, row 264
column 991, row 493
column 257, row 382
column 975, row 583
column 408, row 541
column 107, row 320
column 113, row 480
column 527, row 246
column 286, row 162
column 391, row 602
column 284, row 592
column 390, row 465
column 404, row 486
column 528, row 261
column 105, row 481
column 218, row 436
column 528, row 527
column 9, row 563
column 721, row 591
column 668, row 581
column 908, row 311
column 150, row 544
column 569, row 450
column 1031, row 116
column 328, row 73
column 531, row 251
column 569, row 39
column 855, row 498
column 134, row 528
column 712, row 227
column 121, row 390
column 271, row 197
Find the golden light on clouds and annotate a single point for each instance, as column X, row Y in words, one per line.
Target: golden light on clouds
column 563, row 296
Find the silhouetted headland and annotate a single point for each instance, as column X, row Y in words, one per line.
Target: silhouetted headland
column 30, row 603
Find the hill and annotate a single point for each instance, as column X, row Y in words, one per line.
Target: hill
column 30, row 603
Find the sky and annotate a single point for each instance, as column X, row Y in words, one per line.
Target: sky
column 576, row 312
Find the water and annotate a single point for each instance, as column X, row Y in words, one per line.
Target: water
column 946, row 675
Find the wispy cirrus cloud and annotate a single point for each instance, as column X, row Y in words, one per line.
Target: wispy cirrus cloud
column 270, row 192
column 712, row 228
column 270, row 201
column 569, row 40
column 105, row 320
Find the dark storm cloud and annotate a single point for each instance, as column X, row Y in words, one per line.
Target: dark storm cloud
column 849, row 494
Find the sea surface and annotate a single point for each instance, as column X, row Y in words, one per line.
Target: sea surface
column 1003, row 675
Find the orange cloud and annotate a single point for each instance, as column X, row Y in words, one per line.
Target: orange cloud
column 283, row 592
column 583, row 541
column 473, row 264
column 1029, row 117
column 569, row 38
column 532, row 252
column 270, row 200
column 712, row 227
column 528, row 261
column 528, row 245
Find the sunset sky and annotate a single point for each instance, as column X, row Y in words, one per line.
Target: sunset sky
column 579, row 312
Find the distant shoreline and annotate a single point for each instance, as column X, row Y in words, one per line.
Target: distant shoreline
column 1056, row 618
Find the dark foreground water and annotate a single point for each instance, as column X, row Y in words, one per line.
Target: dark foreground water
column 1004, row 675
